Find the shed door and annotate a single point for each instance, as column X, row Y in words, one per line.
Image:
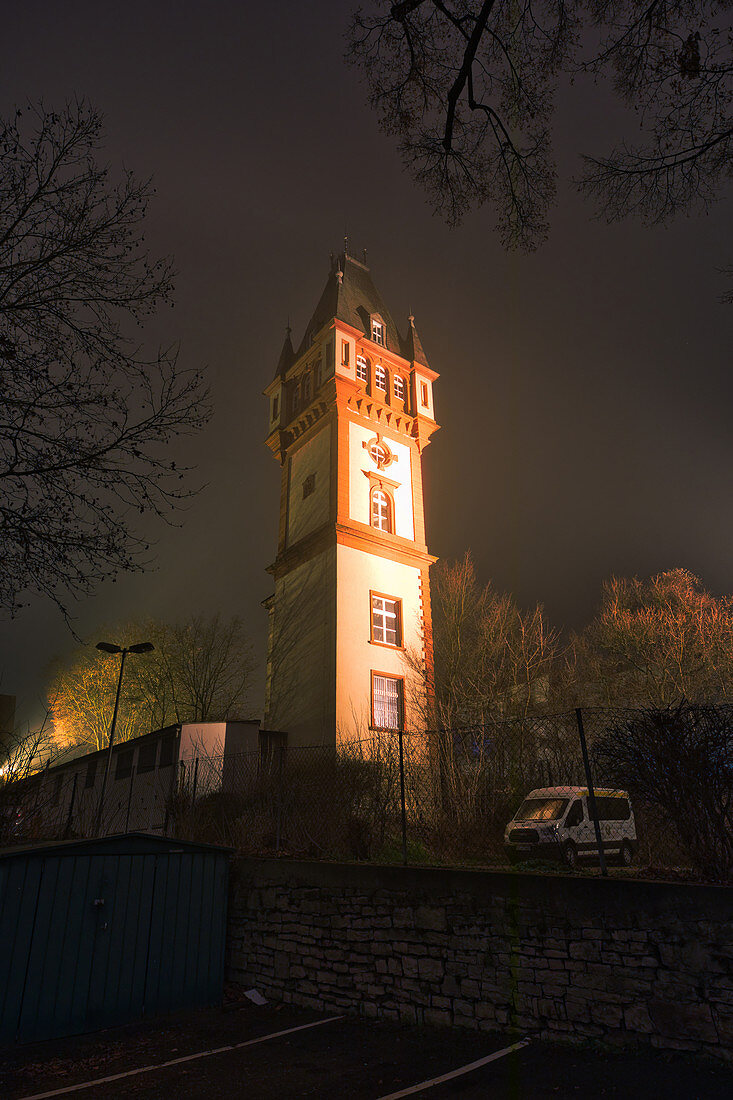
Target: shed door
column 106, row 939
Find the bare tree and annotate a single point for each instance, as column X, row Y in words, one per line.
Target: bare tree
column 468, row 88
column 199, row 671
column 491, row 658
column 673, row 64
column 656, row 641
column 86, row 418
column 680, row 760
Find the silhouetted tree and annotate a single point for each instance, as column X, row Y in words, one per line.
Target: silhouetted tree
column 86, row 419
column 468, row 88
column 680, row 760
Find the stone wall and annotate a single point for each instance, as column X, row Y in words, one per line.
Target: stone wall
column 551, row 955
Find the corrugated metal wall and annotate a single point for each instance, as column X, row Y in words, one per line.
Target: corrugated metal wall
column 99, row 933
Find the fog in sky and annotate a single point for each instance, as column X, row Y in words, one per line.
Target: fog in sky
column 585, row 390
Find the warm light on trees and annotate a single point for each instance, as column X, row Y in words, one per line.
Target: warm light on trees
column 199, row 671
column 656, row 641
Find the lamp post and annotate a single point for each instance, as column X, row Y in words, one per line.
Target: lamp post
column 109, row 647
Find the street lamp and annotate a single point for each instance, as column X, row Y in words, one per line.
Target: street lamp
column 110, row 647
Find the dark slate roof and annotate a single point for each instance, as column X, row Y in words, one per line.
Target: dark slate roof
column 287, row 356
column 351, row 296
column 413, row 345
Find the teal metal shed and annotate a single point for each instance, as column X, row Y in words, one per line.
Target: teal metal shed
column 97, row 933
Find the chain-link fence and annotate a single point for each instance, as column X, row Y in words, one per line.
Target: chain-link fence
column 605, row 790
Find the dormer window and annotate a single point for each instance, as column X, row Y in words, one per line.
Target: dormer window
column 362, row 369
column 377, row 332
column 399, row 387
column 380, row 378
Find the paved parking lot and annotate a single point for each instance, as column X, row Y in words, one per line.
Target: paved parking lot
column 277, row 1052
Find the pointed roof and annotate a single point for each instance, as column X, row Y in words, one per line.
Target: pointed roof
column 287, row 356
column 351, row 296
column 413, row 345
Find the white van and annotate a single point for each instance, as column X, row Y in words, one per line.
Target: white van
column 555, row 822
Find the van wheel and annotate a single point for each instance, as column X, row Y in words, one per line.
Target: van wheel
column 626, row 854
column 570, row 855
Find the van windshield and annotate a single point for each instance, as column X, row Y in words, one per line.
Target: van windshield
column 542, row 809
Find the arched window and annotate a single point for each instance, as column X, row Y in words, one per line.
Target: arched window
column 399, row 387
column 382, row 511
column 294, row 398
column 362, row 368
column 306, row 388
column 380, row 378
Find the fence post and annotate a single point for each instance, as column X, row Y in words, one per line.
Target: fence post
column 591, row 792
column 402, row 799
column 67, row 830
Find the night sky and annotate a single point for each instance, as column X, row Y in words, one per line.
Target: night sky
column 585, row 390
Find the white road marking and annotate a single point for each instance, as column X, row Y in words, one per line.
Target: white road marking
column 177, row 1061
column 456, row 1072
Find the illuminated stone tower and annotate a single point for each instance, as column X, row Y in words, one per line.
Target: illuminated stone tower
column 350, row 414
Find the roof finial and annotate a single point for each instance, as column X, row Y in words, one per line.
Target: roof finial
column 288, row 329
column 346, row 245
column 363, row 256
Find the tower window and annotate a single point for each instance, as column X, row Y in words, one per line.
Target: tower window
column 399, row 387
column 387, row 702
column 386, row 620
column 317, row 374
column 362, row 369
column 380, row 378
column 345, row 352
column 309, row 485
column 378, row 332
column 381, row 511
column 306, row 388
column 424, row 394
column 275, row 404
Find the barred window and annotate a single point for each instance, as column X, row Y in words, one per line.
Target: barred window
column 399, row 387
column 362, row 369
column 386, row 620
column 91, row 773
column 380, row 378
column 147, row 754
column 381, row 510
column 387, row 702
column 124, row 764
